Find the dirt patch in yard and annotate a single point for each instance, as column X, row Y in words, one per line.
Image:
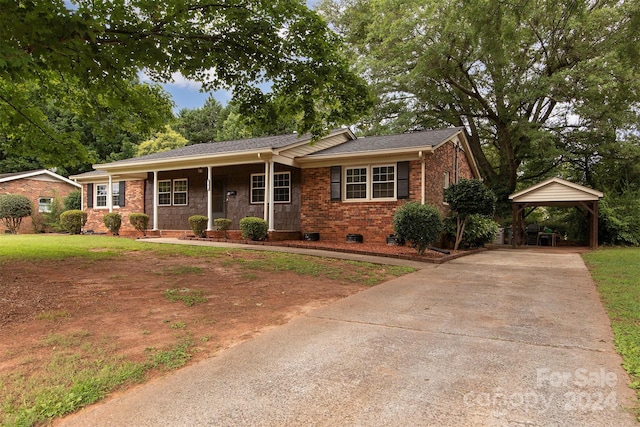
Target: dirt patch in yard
column 125, row 302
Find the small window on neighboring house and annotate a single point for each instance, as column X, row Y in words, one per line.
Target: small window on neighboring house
column 44, row 204
column 257, row 188
column 180, row 187
column 356, row 183
column 101, row 195
column 164, row 193
column 384, row 182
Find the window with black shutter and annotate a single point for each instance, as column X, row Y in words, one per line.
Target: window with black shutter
column 336, row 182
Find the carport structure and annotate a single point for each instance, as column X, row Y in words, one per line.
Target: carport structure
column 556, row 192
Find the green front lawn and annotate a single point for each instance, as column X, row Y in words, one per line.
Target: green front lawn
column 616, row 272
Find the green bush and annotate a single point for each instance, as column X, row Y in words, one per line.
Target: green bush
column 38, row 222
column 478, row 231
column 14, row 207
column 112, row 221
column 468, row 197
column 72, row 221
column 619, row 220
column 140, row 222
column 418, row 224
column 199, row 224
column 254, row 228
column 52, row 218
column 73, row 201
column 223, row 224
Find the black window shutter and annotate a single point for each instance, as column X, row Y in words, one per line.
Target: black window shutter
column 336, row 182
column 121, row 195
column 89, row 195
column 403, row 180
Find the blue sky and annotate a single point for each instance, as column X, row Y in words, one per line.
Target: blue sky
column 186, row 93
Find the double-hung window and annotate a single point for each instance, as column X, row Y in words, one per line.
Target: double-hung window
column 281, row 187
column 164, row 193
column 180, row 190
column 44, row 204
column 173, row 192
column 370, row 182
column 101, row 195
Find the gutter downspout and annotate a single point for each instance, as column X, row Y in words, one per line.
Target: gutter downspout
column 265, row 210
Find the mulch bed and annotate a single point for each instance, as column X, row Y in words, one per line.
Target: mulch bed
column 373, row 249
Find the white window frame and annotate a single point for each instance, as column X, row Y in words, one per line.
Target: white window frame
column 255, row 200
column 45, row 207
column 97, row 195
column 115, row 194
column 369, row 183
column 185, row 191
column 393, row 182
column 276, row 177
column 164, row 181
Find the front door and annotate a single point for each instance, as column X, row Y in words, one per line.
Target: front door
column 219, row 209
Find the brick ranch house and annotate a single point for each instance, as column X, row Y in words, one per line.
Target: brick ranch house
column 335, row 186
column 41, row 187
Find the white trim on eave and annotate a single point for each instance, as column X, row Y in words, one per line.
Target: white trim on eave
column 40, row 172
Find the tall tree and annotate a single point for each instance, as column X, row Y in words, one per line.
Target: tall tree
column 199, row 125
column 165, row 140
column 93, row 49
column 527, row 79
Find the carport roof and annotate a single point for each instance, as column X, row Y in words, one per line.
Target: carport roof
column 556, row 191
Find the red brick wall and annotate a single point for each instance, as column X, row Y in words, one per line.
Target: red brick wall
column 34, row 189
column 134, row 203
column 335, row 219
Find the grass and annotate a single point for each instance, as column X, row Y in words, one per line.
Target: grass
column 616, row 272
column 189, row 297
column 83, row 369
column 358, row 272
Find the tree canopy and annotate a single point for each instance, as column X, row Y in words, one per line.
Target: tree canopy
column 80, row 54
column 539, row 86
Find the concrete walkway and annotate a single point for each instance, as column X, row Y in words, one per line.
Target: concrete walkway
column 500, row 338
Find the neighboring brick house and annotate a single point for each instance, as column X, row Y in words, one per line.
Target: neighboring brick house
column 41, row 187
column 336, row 186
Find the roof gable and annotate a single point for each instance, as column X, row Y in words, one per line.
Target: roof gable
column 556, row 190
column 427, row 138
column 43, row 174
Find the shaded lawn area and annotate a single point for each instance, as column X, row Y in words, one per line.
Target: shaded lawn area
column 84, row 316
column 616, row 272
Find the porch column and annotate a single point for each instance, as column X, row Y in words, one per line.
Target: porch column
column 265, row 213
column 155, row 200
column 422, row 178
column 209, row 197
column 110, row 194
column 269, row 185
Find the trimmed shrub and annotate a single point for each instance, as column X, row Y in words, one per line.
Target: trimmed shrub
column 468, row 197
column 140, row 222
column 418, row 224
column 199, row 224
column 254, row 228
column 223, row 224
column 73, row 201
column 72, row 221
column 14, row 207
column 112, row 221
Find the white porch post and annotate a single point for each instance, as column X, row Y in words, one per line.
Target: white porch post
column 209, row 197
column 110, row 194
column 270, row 184
column 155, row 200
column 422, row 178
column 265, row 214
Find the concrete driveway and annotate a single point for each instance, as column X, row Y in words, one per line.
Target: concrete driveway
column 500, row 338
